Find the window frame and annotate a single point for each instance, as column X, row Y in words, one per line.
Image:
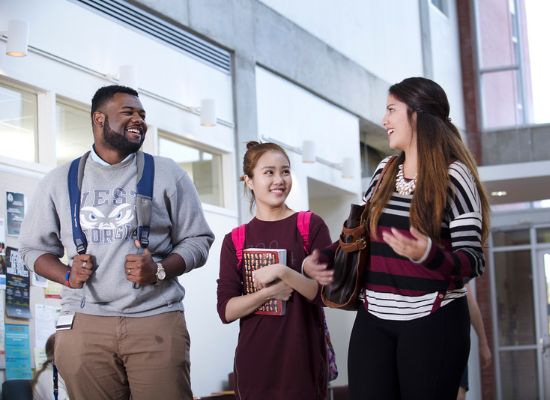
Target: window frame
column 201, row 147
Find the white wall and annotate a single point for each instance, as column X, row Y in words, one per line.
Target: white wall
column 68, row 31
column 381, row 36
column 385, row 38
column 290, row 115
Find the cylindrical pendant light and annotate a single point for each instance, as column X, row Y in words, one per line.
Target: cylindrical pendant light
column 18, row 38
column 208, row 112
column 308, row 151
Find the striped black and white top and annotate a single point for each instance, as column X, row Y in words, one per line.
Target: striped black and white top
column 397, row 288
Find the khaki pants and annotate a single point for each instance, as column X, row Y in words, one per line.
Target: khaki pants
column 115, row 358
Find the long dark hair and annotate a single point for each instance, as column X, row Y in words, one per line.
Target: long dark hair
column 438, row 144
column 50, row 344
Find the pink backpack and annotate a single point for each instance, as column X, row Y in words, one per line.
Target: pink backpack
column 302, row 223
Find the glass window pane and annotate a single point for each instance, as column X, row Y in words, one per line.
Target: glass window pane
column 519, row 377
column 500, row 99
column 511, row 238
column 537, row 14
column 547, row 276
column 495, row 33
column 18, row 124
column 514, row 291
column 543, row 235
column 74, row 132
column 204, row 168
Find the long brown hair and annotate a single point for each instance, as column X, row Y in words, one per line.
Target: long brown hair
column 439, row 144
column 255, row 150
column 50, row 345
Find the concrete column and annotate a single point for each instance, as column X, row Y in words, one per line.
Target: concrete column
column 246, row 119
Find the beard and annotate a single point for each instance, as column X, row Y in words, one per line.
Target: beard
column 119, row 141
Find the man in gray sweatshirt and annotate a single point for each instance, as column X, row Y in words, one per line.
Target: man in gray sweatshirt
column 122, row 331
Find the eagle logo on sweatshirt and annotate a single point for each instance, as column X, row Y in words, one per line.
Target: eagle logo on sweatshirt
column 103, row 229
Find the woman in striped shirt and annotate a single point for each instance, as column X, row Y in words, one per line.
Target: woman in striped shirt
column 428, row 221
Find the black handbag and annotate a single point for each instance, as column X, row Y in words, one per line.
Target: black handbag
column 351, row 257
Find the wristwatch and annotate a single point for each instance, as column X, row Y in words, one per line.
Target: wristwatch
column 161, row 273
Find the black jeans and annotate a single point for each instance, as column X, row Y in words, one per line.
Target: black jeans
column 408, row 360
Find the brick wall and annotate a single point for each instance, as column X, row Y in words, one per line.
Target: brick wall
column 473, row 136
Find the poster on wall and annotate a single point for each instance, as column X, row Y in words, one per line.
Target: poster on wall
column 15, row 211
column 53, row 290
column 2, row 272
column 2, row 254
column 37, row 280
column 2, row 236
column 17, row 285
column 45, row 317
column 18, row 352
column 2, row 342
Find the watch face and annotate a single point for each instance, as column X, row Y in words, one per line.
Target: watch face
column 161, row 274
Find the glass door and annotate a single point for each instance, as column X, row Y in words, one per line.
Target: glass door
column 516, row 344
column 543, row 269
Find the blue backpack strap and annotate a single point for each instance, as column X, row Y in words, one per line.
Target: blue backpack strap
column 144, row 197
column 76, row 173
column 55, row 383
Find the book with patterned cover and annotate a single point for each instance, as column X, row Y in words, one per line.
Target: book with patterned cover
column 254, row 259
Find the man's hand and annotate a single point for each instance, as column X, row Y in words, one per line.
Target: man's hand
column 81, row 270
column 140, row 268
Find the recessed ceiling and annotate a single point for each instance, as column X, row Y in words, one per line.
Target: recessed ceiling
column 521, row 182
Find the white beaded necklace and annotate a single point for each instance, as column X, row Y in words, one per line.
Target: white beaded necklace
column 403, row 186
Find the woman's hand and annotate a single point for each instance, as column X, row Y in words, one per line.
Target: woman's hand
column 315, row 269
column 486, row 356
column 413, row 248
column 268, row 274
column 278, row 291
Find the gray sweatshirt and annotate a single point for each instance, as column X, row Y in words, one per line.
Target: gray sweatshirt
column 108, row 219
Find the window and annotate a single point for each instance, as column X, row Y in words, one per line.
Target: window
column 18, row 123
column 203, row 167
column 513, row 62
column 74, row 131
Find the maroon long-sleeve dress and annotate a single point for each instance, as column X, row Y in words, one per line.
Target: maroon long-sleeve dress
column 277, row 357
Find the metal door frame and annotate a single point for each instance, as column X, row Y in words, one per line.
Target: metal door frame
column 539, row 292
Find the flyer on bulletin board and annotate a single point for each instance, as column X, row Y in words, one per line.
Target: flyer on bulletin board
column 18, row 352
column 17, row 286
column 2, row 328
column 2, row 236
column 53, row 290
column 15, row 211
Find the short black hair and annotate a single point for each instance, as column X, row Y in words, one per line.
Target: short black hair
column 106, row 93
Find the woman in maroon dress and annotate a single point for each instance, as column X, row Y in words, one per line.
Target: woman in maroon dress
column 277, row 357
